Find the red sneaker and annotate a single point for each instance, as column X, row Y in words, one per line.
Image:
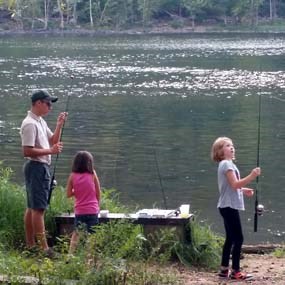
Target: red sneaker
column 238, row 275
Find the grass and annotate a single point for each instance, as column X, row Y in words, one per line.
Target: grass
column 118, row 253
column 279, row 252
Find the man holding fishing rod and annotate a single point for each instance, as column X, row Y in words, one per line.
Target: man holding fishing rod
column 38, row 144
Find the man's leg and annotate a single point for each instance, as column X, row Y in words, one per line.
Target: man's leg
column 39, row 227
column 29, row 230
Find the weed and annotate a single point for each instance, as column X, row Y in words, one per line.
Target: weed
column 279, row 252
column 204, row 250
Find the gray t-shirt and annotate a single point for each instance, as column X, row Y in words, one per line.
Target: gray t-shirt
column 229, row 197
column 35, row 133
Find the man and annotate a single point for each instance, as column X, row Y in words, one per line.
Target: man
column 38, row 144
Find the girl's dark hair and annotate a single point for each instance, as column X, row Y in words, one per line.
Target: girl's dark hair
column 83, row 162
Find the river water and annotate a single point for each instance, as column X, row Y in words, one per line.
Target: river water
column 149, row 108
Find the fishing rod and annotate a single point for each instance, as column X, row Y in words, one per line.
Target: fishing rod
column 160, row 180
column 53, row 182
column 258, row 207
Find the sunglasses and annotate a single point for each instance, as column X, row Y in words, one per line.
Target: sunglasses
column 48, row 103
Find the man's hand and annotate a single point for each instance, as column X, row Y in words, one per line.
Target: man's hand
column 57, row 148
column 62, row 117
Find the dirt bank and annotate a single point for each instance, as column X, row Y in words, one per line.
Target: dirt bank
column 267, row 270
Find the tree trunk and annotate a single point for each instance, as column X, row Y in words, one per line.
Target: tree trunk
column 103, row 12
column 90, row 14
column 274, row 9
column 46, row 6
column 270, row 10
column 75, row 12
column 180, row 9
column 193, row 21
column 145, row 13
column 254, row 13
column 18, row 14
column 61, row 14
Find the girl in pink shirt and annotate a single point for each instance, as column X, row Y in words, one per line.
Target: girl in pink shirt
column 83, row 184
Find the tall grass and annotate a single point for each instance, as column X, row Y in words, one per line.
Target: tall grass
column 204, row 250
column 117, row 254
column 12, row 205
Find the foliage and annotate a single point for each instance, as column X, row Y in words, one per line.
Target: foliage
column 113, row 255
column 110, row 201
column 279, row 252
column 12, row 205
column 204, row 249
column 117, row 240
column 119, row 14
column 117, row 253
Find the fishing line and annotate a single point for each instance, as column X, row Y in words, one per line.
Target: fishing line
column 160, row 180
column 53, row 182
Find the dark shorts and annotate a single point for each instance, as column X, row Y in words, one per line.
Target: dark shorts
column 86, row 222
column 37, row 179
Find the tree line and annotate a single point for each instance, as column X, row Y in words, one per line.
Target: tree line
column 124, row 14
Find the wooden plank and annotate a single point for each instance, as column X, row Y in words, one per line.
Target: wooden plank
column 65, row 221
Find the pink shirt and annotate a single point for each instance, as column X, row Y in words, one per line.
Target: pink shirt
column 86, row 201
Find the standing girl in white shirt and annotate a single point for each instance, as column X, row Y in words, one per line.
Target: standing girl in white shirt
column 231, row 189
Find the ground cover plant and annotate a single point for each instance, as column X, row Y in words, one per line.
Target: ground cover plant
column 118, row 253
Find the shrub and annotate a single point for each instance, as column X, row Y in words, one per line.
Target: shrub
column 204, row 250
column 12, row 206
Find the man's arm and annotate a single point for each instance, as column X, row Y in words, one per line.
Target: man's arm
column 58, row 129
column 30, row 151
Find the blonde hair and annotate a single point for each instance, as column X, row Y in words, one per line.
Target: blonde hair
column 217, row 153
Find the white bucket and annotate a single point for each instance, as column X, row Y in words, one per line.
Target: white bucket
column 184, row 210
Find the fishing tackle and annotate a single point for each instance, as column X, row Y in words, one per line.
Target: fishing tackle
column 53, row 182
column 259, row 209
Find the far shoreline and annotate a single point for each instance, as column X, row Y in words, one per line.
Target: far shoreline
column 155, row 31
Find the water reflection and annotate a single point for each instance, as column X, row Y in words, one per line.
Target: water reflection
column 138, row 101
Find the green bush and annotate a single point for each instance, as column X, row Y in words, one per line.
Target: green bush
column 12, row 206
column 204, row 250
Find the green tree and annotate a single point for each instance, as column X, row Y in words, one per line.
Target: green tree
column 195, row 7
column 7, row 4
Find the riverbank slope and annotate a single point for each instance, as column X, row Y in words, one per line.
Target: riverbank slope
column 267, row 269
column 156, row 28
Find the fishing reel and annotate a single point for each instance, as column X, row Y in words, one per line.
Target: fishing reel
column 54, row 183
column 174, row 213
column 260, row 209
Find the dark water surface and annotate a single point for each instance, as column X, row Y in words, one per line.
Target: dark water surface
column 140, row 100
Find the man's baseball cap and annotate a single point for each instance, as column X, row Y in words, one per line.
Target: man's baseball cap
column 42, row 95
